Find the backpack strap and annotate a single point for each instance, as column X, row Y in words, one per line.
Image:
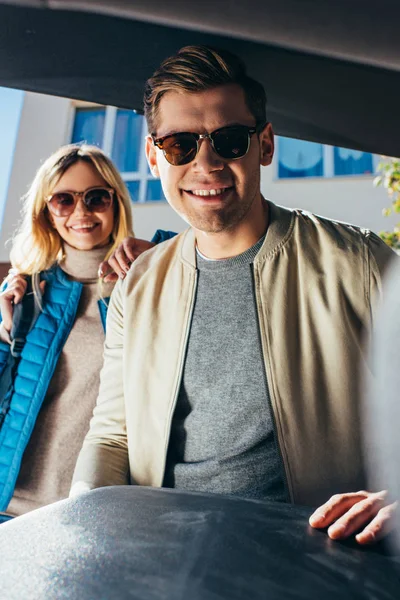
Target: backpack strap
column 24, row 316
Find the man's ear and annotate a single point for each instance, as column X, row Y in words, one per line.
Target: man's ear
column 267, row 145
column 151, row 155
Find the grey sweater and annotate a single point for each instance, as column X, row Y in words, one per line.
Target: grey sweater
column 222, row 437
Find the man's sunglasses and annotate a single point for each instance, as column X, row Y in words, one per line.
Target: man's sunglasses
column 97, row 199
column 228, row 142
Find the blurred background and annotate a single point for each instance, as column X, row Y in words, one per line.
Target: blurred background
column 330, row 181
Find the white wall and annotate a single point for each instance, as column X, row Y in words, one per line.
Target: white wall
column 11, row 102
column 46, row 123
column 44, row 126
column 149, row 217
column 352, row 199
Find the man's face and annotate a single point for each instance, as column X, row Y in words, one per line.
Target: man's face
column 211, row 193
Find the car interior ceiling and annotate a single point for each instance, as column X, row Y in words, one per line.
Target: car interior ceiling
column 330, row 69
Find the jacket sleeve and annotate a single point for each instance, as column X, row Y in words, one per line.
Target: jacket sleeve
column 380, row 256
column 103, row 459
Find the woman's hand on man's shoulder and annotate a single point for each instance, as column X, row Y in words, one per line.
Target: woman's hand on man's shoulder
column 121, row 259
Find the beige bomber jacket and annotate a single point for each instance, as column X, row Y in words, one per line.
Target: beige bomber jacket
column 316, row 282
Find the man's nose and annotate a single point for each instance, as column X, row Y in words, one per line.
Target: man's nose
column 207, row 160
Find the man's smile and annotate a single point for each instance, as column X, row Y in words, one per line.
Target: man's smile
column 210, row 193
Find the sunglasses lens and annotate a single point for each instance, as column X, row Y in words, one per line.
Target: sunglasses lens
column 232, row 142
column 97, row 200
column 180, row 149
column 62, row 204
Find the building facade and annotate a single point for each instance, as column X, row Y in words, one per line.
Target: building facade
column 333, row 182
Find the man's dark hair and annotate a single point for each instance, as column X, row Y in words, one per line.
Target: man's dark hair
column 199, row 68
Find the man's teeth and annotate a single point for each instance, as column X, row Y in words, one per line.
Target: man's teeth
column 216, row 192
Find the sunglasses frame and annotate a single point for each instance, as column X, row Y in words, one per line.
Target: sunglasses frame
column 111, row 191
column 201, row 136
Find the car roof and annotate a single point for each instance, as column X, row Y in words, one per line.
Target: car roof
column 331, row 70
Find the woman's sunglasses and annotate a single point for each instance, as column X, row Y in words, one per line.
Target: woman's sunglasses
column 228, row 142
column 98, row 199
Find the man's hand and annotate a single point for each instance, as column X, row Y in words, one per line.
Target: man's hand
column 121, row 259
column 345, row 514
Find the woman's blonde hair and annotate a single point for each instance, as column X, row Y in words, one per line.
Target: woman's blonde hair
column 37, row 245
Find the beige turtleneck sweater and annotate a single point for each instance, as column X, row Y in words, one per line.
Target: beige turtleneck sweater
column 50, row 457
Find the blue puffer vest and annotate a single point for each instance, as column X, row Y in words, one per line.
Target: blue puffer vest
column 39, row 357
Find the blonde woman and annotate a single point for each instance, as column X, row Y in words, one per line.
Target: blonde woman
column 76, row 214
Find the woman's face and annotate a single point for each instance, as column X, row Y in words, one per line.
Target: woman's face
column 83, row 229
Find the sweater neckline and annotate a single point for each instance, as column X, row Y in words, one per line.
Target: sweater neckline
column 245, row 258
column 82, row 265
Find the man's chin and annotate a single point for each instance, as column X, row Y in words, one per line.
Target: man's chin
column 214, row 224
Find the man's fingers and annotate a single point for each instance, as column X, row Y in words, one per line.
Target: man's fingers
column 348, row 513
column 42, row 286
column 336, row 506
column 356, row 517
column 379, row 527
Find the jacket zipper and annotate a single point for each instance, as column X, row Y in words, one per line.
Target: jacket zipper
column 179, row 379
column 269, row 402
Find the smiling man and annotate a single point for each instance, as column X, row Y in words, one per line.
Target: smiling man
column 219, row 196
column 232, row 350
